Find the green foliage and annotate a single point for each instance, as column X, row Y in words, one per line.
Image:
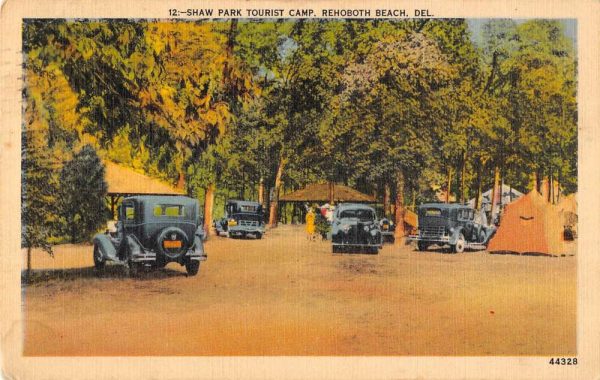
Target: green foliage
column 360, row 102
column 81, row 197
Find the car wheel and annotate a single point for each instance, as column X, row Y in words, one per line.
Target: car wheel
column 192, row 267
column 459, row 247
column 422, row 246
column 99, row 261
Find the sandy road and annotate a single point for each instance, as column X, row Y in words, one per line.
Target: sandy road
column 285, row 295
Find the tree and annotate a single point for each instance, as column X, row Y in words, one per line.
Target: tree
column 82, row 195
column 38, row 196
column 388, row 107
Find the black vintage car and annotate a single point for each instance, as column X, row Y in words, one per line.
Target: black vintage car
column 355, row 227
column 152, row 231
column 455, row 225
column 242, row 218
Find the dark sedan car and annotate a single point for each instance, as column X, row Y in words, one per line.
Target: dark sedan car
column 152, row 231
column 455, row 225
column 355, row 227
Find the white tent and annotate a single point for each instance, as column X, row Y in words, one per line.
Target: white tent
column 508, row 195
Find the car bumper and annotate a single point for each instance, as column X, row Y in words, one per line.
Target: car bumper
column 355, row 245
column 430, row 239
column 245, row 230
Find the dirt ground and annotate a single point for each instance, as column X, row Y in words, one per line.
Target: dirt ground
column 285, row 295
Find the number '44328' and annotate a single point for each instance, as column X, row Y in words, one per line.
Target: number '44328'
column 563, row 361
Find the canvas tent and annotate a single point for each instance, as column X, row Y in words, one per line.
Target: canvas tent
column 508, row 195
column 530, row 225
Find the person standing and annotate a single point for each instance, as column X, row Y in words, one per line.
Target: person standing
column 310, row 222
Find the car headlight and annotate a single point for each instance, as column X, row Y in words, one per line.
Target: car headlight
column 232, row 222
column 452, row 230
column 345, row 227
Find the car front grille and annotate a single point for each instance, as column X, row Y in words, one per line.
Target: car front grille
column 248, row 223
column 427, row 232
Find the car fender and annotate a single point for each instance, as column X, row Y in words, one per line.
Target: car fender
column 489, row 234
column 455, row 234
column 107, row 248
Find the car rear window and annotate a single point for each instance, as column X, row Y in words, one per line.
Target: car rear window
column 169, row 210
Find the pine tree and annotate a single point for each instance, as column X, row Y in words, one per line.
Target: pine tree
column 82, row 192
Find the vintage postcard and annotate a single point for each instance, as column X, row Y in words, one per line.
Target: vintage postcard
column 260, row 189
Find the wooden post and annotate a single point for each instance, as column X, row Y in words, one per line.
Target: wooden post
column 331, row 193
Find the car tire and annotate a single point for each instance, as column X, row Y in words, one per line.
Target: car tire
column 422, row 246
column 259, row 236
column 99, row 260
column 192, row 267
column 160, row 263
column 459, row 247
column 132, row 269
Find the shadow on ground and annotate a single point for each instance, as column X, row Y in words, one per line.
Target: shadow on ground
column 109, row 272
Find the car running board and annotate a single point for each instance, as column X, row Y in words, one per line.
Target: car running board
column 476, row 246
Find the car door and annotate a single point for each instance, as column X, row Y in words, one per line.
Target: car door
column 467, row 223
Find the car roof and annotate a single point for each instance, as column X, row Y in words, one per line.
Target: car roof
column 444, row 205
column 167, row 199
column 244, row 203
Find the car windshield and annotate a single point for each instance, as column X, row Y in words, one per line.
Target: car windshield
column 433, row 212
column 169, row 210
column 363, row 215
column 248, row 208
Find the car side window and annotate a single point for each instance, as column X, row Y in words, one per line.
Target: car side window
column 129, row 212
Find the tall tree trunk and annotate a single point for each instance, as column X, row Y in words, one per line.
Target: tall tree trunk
column 494, row 191
column 463, row 173
column 479, row 185
column 181, row 181
column 448, row 184
column 209, row 199
column 399, row 214
column 261, row 191
column 386, row 200
column 275, row 200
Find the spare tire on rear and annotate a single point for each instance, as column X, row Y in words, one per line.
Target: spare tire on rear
column 172, row 242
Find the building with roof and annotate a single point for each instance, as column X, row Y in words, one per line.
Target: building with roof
column 123, row 182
